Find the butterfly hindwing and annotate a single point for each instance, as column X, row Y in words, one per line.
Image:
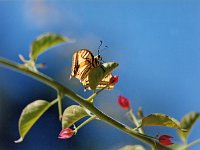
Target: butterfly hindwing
column 105, row 81
column 102, row 84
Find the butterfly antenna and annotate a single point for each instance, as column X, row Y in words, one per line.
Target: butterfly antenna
column 99, row 46
column 103, row 49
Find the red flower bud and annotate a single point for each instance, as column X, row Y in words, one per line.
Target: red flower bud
column 123, row 102
column 165, row 140
column 66, row 133
column 114, row 79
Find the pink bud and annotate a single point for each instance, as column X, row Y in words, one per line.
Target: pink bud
column 66, row 133
column 123, row 102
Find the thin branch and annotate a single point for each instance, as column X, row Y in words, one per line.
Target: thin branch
column 191, row 144
column 67, row 92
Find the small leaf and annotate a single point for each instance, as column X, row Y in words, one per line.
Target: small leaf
column 98, row 73
column 177, row 147
column 132, row 147
column 186, row 123
column 44, row 42
column 30, row 114
column 160, row 120
column 72, row 114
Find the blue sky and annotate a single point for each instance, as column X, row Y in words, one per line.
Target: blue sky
column 156, row 44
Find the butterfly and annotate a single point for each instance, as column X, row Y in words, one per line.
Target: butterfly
column 83, row 62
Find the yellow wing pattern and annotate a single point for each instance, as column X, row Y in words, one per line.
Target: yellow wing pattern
column 105, row 81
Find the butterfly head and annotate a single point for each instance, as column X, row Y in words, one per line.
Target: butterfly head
column 99, row 57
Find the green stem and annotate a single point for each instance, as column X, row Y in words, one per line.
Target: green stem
column 90, row 99
column 134, row 120
column 84, row 123
column 53, row 102
column 191, row 144
column 60, row 96
column 38, row 76
column 67, row 92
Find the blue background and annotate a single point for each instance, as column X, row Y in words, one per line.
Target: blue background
column 156, row 43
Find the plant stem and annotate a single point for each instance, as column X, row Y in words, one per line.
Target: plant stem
column 60, row 105
column 90, row 99
column 53, row 102
column 85, row 122
column 67, row 92
column 134, row 120
column 191, row 144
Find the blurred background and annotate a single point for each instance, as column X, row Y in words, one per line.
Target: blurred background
column 156, row 44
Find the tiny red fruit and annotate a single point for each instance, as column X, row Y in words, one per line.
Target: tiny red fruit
column 124, row 102
column 114, row 79
column 165, row 140
column 66, row 133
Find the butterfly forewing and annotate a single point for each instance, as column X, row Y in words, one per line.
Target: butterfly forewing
column 82, row 63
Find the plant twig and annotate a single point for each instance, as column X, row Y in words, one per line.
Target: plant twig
column 134, row 120
column 84, row 123
column 60, row 96
column 191, row 144
column 67, row 92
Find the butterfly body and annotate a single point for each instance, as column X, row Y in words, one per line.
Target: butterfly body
column 83, row 62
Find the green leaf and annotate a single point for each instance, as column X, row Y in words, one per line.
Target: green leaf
column 44, row 42
column 72, row 114
column 97, row 74
column 177, row 147
column 30, row 114
column 186, row 123
column 132, row 147
column 160, row 120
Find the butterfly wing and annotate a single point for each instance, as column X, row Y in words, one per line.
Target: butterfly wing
column 82, row 63
column 102, row 84
column 106, row 81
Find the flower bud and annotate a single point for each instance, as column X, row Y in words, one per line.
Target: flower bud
column 165, row 140
column 114, row 79
column 123, row 102
column 66, row 133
